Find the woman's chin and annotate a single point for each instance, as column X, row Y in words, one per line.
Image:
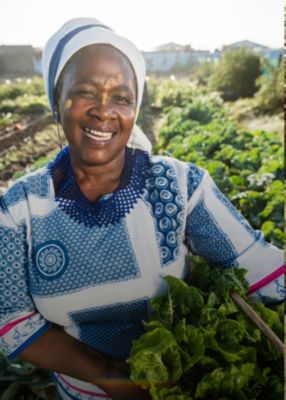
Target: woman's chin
column 96, row 155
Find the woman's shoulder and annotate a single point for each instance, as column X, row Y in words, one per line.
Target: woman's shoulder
column 179, row 167
column 173, row 162
column 187, row 174
column 36, row 183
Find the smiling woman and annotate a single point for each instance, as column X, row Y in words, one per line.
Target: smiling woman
column 87, row 240
column 100, row 85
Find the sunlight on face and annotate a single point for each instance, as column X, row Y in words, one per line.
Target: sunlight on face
column 68, row 104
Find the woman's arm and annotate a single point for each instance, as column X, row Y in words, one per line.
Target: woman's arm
column 216, row 231
column 57, row 351
column 24, row 332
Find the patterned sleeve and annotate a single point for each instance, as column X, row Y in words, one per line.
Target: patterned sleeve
column 216, row 231
column 20, row 323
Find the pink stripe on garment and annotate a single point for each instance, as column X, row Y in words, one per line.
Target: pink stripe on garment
column 102, row 395
column 11, row 325
column 267, row 279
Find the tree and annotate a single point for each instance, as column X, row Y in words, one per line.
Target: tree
column 236, row 74
column 203, row 72
column 270, row 97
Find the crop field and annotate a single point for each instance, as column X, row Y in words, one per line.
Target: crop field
column 28, row 138
column 248, row 166
column 182, row 120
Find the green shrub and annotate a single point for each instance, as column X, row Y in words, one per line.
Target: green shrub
column 165, row 93
column 203, row 72
column 236, row 74
column 34, row 86
column 24, row 105
column 270, row 97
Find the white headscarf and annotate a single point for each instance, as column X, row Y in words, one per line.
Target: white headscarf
column 81, row 32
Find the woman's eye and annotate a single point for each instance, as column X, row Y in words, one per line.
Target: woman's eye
column 122, row 99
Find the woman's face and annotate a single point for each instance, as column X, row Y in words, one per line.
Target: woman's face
column 97, row 104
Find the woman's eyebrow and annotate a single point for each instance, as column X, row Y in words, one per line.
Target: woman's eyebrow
column 120, row 86
column 123, row 87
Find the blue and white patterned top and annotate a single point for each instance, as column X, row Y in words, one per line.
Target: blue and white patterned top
column 92, row 267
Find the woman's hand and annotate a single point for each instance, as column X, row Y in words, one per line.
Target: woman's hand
column 57, row 351
column 119, row 385
column 127, row 390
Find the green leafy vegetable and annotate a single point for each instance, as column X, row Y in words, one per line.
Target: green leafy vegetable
column 198, row 345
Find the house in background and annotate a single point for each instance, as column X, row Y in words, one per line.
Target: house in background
column 170, row 58
column 173, row 57
column 37, row 60
column 17, row 61
column 170, row 47
column 164, row 58
column 272, row 55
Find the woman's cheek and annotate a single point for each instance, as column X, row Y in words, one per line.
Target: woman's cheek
column 71, row 110
column 68, row 104
column 128, row 114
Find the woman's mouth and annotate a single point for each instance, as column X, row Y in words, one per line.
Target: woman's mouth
column 98, row 136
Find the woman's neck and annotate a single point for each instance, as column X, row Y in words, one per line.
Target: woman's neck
column 95, row 181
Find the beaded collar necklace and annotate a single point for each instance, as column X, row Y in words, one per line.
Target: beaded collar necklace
column 109, row 209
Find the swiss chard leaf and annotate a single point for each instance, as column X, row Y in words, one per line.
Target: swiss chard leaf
column 155, row 358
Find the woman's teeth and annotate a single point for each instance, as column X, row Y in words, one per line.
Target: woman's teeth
column 98, row 135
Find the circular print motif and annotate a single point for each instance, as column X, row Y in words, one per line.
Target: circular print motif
column 51, row 259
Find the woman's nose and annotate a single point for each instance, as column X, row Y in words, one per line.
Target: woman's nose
column 102, row 109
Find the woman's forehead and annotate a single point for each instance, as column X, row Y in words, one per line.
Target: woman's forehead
column 103, row 58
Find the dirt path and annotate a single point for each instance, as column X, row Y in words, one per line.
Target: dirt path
column 265, row 123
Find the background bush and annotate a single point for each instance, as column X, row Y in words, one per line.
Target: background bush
column 236, row 74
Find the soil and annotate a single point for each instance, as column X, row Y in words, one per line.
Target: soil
column 25, row 150
column 15, row 133
column 267, row 123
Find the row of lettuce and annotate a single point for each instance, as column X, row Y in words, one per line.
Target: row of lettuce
column 197, row 344
column 248, row 166
column 22, row 99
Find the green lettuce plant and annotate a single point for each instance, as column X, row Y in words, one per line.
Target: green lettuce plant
column 198, row 345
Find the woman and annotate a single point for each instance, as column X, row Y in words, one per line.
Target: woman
column 87, row 240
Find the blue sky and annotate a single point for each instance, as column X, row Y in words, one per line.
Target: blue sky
column 205, row 24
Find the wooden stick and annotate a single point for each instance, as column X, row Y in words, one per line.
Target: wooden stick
column 254, row 317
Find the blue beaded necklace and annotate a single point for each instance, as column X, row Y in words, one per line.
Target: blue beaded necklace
column 109, row 209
